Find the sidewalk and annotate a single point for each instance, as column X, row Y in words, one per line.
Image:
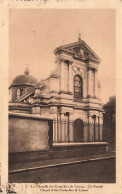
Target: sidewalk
column 22, row 167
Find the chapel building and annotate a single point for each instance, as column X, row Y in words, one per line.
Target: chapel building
column 70, row 95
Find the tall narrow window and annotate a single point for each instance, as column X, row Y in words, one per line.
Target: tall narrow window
column 18, row 93
column 21, row 91
column 78, row 87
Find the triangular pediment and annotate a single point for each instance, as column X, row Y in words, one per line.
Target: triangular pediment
column 79, row 50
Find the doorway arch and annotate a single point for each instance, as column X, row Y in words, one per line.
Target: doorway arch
column 78, row 131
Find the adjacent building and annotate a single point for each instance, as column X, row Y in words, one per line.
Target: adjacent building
column 109, row 124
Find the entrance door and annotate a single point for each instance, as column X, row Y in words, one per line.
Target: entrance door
column 78, row 130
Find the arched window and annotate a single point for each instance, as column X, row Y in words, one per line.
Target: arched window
column 78, row 92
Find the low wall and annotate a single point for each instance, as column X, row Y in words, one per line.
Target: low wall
column 60, row 150
column 31, row 136
column 29, row 133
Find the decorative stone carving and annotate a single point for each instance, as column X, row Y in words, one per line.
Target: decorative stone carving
column 78, row 70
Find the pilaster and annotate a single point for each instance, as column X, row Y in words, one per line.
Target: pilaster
column 96, row 85
column 62, row 81
column 70, row 78
column 91, row 82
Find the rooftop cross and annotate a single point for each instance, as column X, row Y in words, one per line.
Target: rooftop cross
column 27, row 71
column 79, row 36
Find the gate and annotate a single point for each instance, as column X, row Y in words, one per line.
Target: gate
column 78, row 131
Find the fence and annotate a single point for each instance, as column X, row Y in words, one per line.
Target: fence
column 65, row 131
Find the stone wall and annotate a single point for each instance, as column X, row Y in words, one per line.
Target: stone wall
column 28, row 133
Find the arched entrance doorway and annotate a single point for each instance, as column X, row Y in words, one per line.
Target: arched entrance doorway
column 78, row 131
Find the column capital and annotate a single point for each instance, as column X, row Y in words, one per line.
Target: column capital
column 59, row 59
column 70, row 62
column 88, row 115
column 92, row 68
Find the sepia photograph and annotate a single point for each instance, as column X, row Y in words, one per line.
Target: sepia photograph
column 62, row 99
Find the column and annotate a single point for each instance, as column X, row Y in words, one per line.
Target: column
column 54, row 130
column 68, row 127
column 91, row 83
column 85, row 129
column 91, row 128
column 94, row 116
column 71, row 131
column 98, row 128
column 88, row 82
column 101, row 128
column 58, row 129
column 62, row 81
column 99, row 91
column 85, row 84
column 62, row 127
column 96, row 85
column 70, row 78
column 88, row 128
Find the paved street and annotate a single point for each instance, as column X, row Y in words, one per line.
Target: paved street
column 99, row 171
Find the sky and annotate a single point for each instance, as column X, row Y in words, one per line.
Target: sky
column 35, row 33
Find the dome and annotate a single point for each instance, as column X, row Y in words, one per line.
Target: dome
column 24, row 80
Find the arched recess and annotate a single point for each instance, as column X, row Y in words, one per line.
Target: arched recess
column 78, row 86
column 78, row 131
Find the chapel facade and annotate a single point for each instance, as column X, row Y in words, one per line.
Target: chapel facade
column 70, row 95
